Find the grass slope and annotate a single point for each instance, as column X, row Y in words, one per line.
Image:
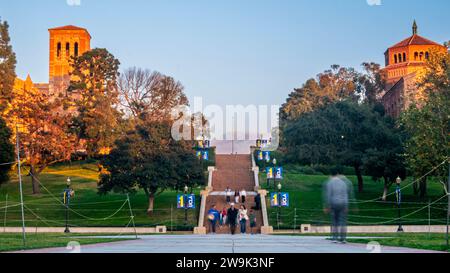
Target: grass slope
column 306, row 203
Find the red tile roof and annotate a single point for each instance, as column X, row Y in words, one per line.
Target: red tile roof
column 415, row 40
column 70, row 27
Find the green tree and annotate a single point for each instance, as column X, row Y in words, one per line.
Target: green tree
column 95, row 96
column 7, row 151
column 150, row 159
column 427, row 122
column 330, row 86
column 343, row 133
column 7, row 66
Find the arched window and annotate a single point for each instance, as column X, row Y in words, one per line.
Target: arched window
column 67, row 49
column 416, row 56
column 404, row 57
column 399, row 58
column 427, row 55
column 395, row 58
column 75, row 49
column 421, row 56
column 58, row 50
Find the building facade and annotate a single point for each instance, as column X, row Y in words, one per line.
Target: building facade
column 405, row 61
column 65, row 42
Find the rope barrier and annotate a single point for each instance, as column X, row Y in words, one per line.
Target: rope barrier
column 74, row 211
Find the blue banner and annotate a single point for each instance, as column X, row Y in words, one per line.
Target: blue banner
column 186, row 201
column 279, row 199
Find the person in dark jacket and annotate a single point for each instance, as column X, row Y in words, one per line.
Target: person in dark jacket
column 257, row 202
column 232, row 215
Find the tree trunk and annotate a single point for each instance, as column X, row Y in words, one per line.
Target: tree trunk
column 385, row 190
column 423, row 187
column 416, row 188
column 34, row 180
column 360, row 179
column 151, row 200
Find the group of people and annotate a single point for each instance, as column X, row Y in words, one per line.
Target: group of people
column 232, row 217
column 241, row 197
column 238, row 195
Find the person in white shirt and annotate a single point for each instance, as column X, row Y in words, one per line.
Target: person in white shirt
column 243, row 217
column 243, row 196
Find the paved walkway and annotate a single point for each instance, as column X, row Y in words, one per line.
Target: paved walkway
column 228, row 244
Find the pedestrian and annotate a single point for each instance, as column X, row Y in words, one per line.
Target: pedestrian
column 232, row 215
column 243, row 196
column 257, row 202
column 243, row 218
column 337, row 192
column 228, row 194
column 213, row 217
column 236, row 197
column 223, row 216
column 252, row 218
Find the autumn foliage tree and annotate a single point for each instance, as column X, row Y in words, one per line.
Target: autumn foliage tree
column 94, row 92
column 7, row 66
column 43, row 129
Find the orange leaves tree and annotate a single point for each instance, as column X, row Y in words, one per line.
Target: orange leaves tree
column 43, row 129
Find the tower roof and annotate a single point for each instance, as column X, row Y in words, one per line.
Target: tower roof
column 70, row 27
column 415, row 39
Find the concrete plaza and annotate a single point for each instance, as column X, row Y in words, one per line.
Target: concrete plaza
column 229, row 244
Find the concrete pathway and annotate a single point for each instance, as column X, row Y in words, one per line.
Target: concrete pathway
column 229, row 244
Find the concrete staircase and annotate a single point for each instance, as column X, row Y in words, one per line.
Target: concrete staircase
column 234, row 171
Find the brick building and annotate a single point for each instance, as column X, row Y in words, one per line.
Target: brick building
column 405, row 61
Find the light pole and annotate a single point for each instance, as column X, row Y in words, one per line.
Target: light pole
column 279, row 204
column 67, row 201
column 186, row 189
column 274, row 162
column 398, row 192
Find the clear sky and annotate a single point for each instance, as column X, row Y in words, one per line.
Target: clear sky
column 227, row 51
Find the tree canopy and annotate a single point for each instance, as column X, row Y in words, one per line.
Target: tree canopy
column 94, row 92
column 7, row 151
column 346, row 133
column 427, row 122
column 7, row 66
column 149, row 158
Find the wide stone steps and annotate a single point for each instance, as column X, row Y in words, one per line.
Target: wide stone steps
column 235, row 172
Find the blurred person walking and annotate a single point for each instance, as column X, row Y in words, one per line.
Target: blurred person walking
column 338, row 190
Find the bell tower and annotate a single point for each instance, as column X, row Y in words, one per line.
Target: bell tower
column 65, row 42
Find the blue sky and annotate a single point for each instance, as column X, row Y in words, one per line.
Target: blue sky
column 228, row 52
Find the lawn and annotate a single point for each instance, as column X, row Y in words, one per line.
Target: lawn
column 431, row 241
column 14, row 242
column 89, row 209
column 306, row 203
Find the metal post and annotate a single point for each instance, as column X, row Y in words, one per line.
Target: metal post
column 20, row 186
column 132, row 215
column 295, row 219
column 429, row 218
column 448, row 205
column 279, row 209
column 185, row 208
column 67, row 193
column 171, row 218
column 6, row 211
